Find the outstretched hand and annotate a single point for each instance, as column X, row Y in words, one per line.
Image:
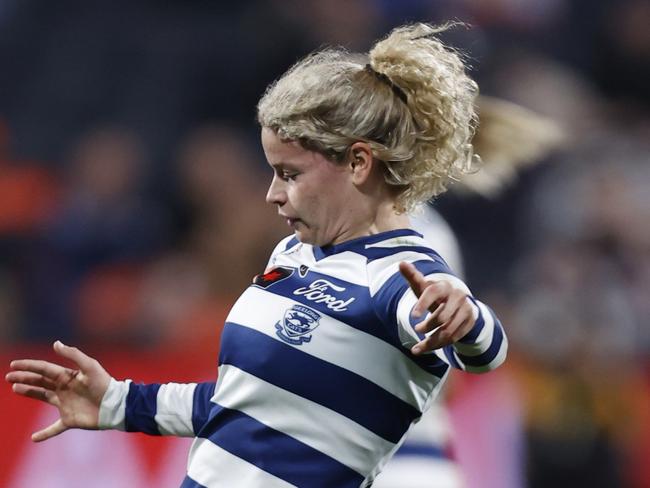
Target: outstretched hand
column 452, row 314
column 76, row 393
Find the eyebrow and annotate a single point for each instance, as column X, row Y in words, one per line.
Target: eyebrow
column 282, row 165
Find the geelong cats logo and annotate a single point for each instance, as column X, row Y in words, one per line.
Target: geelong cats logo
column 297, row 325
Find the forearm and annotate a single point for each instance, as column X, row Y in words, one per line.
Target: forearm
column 168, row 409
column 484, row 348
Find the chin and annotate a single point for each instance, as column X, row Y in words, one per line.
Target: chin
column 307, row 238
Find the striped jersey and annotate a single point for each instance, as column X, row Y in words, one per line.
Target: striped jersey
column 317, row 386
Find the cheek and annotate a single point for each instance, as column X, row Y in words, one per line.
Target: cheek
column 320, row 204
column 314, row 208
column 305, row 198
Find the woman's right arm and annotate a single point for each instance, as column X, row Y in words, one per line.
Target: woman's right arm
column 178, row 409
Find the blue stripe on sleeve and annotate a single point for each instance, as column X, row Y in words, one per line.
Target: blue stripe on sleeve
column 449, row 354
column 338, row 388
column 141, row 408
column 275, row 452
column 201, row 405
column 190, row 483
column 413, row 322
column 421, row 450
column 486, row 357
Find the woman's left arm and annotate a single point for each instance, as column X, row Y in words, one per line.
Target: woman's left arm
column 463, row 331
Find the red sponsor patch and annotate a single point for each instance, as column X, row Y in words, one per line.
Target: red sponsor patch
column 272, row 276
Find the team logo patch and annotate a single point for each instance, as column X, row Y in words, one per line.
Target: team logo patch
column 273, row 275
column 297, row 325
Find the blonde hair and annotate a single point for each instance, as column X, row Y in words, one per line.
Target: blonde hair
column 412, row 103
column 509, row 138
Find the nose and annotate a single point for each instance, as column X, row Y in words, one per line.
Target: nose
column 276, row 194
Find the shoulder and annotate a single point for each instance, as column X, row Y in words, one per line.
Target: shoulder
column 383, row 260
column 287, row 243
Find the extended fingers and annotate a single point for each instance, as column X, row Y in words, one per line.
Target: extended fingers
column 437, row 339
column 460, row 326
column 429, row 299
column 35, row 392
column 448, row 302
column 455, row 304
column 450, row 323
column 430, row 322
column 445, row 335
column 29, row 378
column 38, row 366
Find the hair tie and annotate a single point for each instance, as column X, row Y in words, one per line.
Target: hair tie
column 385, row 79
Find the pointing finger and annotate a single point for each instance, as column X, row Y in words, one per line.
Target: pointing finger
column 415, row 279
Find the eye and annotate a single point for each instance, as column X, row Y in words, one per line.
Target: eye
column 288, row 175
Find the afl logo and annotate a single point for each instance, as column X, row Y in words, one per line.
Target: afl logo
column 272, row 276
column 297, row 325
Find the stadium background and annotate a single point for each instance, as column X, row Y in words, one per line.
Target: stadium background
column 132, row 212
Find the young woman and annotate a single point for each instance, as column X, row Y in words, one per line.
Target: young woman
column 334, row 351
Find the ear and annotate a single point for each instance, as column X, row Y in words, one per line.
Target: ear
column 361, row 162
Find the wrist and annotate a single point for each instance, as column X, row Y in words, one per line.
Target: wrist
column 113, row 405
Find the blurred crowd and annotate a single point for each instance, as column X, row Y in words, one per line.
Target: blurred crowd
column 132, row 189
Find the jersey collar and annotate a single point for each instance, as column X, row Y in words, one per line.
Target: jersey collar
column 359, row 244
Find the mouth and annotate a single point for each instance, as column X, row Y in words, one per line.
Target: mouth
column 291, row 221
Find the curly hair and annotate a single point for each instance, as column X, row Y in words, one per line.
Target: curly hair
column 409, row 98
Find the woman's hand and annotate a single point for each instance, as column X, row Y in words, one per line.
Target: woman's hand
column 452, row 314
column 77, row 393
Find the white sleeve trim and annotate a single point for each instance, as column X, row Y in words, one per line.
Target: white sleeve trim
column 174, row 404
column 496, row 362
column 112, row 409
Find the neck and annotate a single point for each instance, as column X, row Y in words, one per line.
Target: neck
column 387, row 219
column 383, row 219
